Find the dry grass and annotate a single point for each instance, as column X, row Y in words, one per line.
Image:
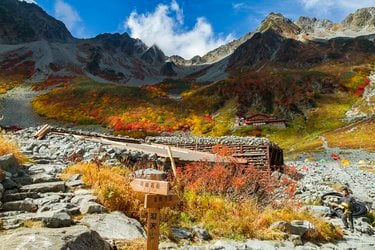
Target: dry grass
column 221, row 216
column 8, row 147
column 112, row 185
column 32, row 224
column 370, row 169
column 240, row 220
column 137, row 244
column 357, row 136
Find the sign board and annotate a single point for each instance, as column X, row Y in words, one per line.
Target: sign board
column 150, row 186
column 160, row 201
column 153, row 227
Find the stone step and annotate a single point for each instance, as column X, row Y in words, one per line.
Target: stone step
column 24, row 205
column 58, row 186
column 46, row 168
column 19, row 196
column 23, row 180
column 10, row 214
column 43, row 177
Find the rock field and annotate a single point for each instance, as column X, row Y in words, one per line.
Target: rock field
column 33, row 193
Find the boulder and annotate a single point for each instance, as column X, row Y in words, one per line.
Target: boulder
column 297, row 227
column 9, row 183
column 318, row 210
column 11, row 196
column 73, row 238
column 2, row 189
column 27, row 205
column 60, row 207
column 179, row 233
column 75, row 183
column 58, row 186
column 91, row 208
column 43, row 177
column 56, row 220
column 296, row 240
column 23, row 180
column 83, row 199
column 9, row 163
column 201, row 233
column 46, row 168
column 115, row 225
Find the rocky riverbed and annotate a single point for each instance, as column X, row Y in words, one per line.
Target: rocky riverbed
column 34, row 193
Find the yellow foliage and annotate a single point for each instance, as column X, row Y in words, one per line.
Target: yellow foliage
column 244, row 219
column 111, row 184
column 8, row 147
column 137, row 244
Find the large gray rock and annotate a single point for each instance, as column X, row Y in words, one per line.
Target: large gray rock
column 56, row 220
column 43, row 177
column 179, row 233
column 297, row 227
column 27, row 205
column 201, row 233
column 9, row 163
column 9, row 183
column 58, row 186
column 72, row 238
column 318, row 210
column 83, row 199
column 10, row 196
column 46, row 168
column 115, row 225
column 91, row 208
column 1, row 191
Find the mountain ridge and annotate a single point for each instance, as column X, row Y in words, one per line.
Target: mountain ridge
column 48, row 49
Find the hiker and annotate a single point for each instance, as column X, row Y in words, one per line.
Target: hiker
column 344, row 208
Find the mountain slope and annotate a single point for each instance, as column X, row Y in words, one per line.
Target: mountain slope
column 21, row 22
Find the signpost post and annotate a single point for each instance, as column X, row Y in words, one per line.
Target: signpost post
column 157, row 196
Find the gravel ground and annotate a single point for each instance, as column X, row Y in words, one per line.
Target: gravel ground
column 16, row 107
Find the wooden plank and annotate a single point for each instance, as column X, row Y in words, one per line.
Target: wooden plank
column 173, row 164
column 153, row 227
column 160, row 201
column 150, row 186
column 42, row 132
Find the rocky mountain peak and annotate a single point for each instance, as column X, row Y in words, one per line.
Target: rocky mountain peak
column 24, row 22
column 154, row 55
column 361, row 19
column 280, row 25
column 311, row 25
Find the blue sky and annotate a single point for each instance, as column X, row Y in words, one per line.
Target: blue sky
column 186, row 27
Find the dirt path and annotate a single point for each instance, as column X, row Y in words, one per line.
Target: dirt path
column 16, row 107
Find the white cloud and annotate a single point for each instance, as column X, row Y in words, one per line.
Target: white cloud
column 165, row 28
column 239, row 6
column 70, row 17
column 28, row 1
column 329, row 6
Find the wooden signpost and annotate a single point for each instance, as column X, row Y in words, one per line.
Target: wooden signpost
column 150, row 186
column 157, row 196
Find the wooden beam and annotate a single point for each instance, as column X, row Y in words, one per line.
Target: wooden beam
column 173, row 164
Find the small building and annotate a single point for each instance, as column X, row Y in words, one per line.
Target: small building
column 261, row 120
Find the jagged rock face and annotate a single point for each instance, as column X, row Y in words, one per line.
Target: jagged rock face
column 270, row 47
column 22, row 22
column 361, row 19
column 121, row 42
column 167, row 69
column 260, row 47
column 280, row 25
column 312, row 25
column 154, row 55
